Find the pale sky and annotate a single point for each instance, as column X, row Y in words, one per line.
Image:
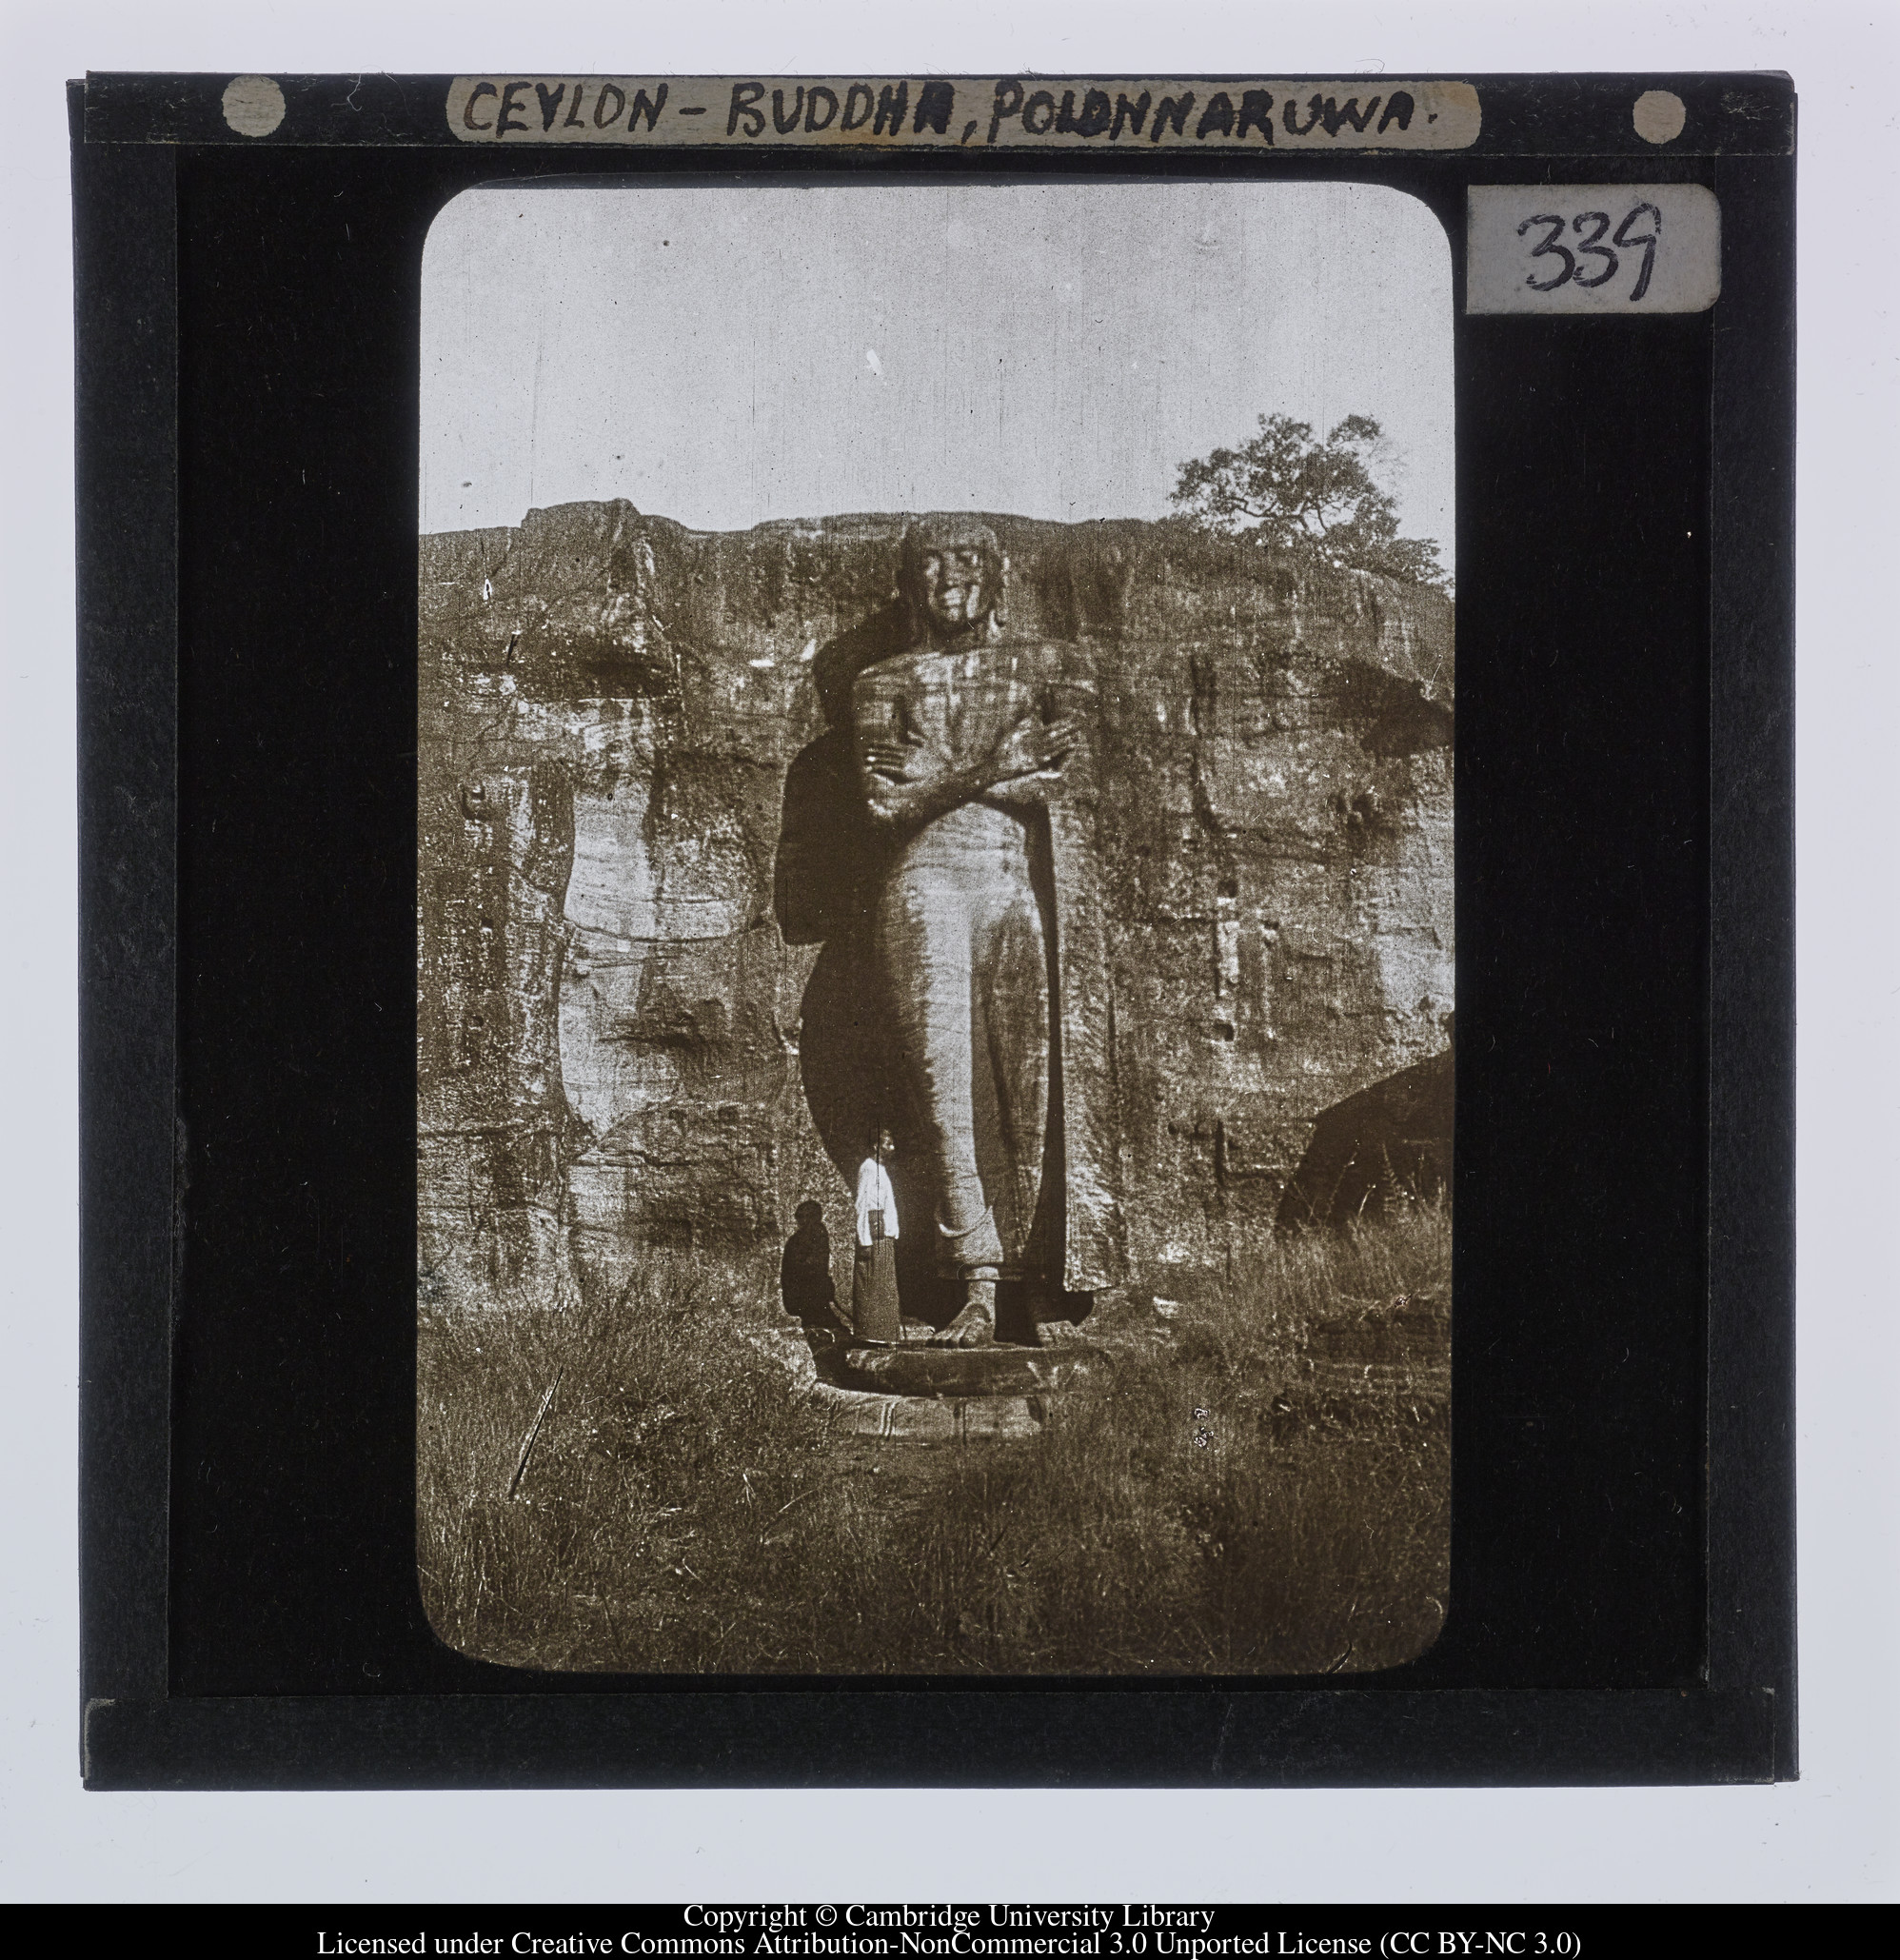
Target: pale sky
column 721, row 356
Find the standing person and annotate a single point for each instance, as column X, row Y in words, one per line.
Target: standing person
column 873, row 1272
column 805, row 1271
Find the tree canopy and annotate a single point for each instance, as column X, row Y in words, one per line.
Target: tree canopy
column 1295, row 493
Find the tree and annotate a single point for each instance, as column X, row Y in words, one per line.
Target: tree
column 1292, row 493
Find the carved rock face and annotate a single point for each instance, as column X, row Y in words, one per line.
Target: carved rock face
column 609, row 1012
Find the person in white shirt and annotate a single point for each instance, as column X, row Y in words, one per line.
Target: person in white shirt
column 873, row 1272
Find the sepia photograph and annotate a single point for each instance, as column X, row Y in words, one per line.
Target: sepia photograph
column 934, row 962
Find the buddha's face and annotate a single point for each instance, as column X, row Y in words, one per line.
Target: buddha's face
column 953, row 585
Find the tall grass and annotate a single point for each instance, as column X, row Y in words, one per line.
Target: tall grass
column 1258, row 1485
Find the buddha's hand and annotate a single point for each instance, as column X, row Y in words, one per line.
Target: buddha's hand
column 1033, row 752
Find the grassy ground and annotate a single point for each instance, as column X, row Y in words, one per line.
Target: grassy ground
column 1257, row 1484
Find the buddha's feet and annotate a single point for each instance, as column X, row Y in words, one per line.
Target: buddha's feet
column 976, row 1326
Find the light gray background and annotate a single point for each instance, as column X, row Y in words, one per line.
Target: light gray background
column 1832, row 1836
column 1054, row 350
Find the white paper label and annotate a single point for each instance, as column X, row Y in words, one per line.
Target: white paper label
column 1620, row 249
column 955, row 112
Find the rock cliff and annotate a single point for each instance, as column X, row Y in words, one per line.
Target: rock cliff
column 609, row 1015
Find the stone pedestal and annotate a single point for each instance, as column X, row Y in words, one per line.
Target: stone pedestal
column 958, row 1373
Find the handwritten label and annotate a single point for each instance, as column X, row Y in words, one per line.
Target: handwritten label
column 998, row 113
column 1616, row 249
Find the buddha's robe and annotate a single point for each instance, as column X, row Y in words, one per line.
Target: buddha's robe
column 980, row 935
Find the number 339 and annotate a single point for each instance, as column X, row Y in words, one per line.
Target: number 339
column 1590, row 245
